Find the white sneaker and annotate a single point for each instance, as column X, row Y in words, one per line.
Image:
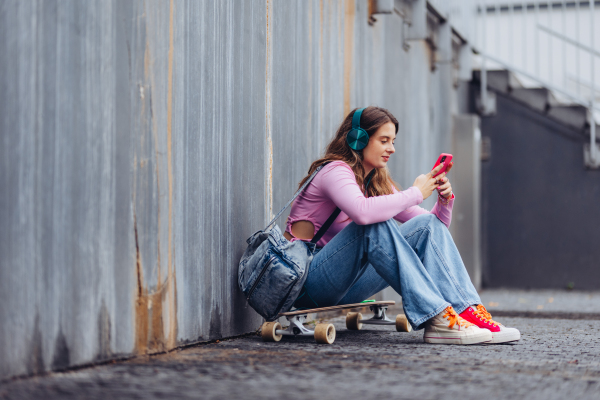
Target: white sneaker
column 479, row 316
column 449, row 328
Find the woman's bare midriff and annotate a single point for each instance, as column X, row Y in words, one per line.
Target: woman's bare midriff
column 301, row 230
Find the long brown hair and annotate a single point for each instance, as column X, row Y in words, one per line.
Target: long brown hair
column 371, row 119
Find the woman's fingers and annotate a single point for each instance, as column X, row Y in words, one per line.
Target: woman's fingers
column 444, row 186
column 436, row 170
column 441, row 179
column 446, row 192
column 449, row 167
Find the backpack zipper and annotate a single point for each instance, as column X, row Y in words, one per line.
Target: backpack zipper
column 260, row 276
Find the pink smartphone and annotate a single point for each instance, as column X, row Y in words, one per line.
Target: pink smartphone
column 444, row 158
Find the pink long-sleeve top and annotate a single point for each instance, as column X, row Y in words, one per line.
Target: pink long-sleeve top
column 335, row 186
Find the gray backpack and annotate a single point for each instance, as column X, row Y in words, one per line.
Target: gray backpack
column 273, row 270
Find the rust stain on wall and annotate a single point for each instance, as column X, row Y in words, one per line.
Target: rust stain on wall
column 150, row 305
column 349, row 14
column 141, row 305
column 149, row 326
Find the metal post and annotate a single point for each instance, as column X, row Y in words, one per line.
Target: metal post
column 564, row 44
column 475, row 36
column 550, row 60
column 524, row 36
column 593, row 152
column 512, row 33
column 536, row 35
column 577, row 49
column 483, row 80
column 497, row 18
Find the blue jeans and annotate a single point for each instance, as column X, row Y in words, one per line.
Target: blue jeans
column 419, row 260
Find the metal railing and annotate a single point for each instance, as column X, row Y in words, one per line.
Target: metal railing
column 542, row 43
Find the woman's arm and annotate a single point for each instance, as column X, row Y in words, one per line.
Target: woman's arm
column 339, row 184
column 442, row 209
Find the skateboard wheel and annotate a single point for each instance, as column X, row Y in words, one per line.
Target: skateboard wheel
column 402, row 324
column 269, row 332
column 325, row 333
column 353, row 321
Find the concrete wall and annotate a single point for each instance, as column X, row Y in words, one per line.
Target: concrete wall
column 539, row 203
column 143, row 141
column 466, row 180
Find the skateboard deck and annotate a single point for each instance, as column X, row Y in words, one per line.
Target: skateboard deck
column 340, row 307
column 324, row 333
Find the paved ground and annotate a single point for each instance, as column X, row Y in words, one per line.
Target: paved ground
column 544, row 302
column 555, row 359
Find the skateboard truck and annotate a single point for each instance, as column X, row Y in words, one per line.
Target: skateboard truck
column 355, row 321
column 379, row 317
column 296, row 327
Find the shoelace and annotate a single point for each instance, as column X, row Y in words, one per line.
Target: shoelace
column 454, row 318
column 484, row 315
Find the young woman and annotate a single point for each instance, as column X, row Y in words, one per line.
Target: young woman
column 365, row 250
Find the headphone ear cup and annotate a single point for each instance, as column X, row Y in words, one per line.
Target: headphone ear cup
column 357, row 139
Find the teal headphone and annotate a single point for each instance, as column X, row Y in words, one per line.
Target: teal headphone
column 357, row 137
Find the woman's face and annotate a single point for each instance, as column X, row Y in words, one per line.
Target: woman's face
column 380, row 147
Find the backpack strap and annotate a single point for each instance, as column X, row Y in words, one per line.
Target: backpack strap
column 335, row 214
column 326, row 225
column 294, row 197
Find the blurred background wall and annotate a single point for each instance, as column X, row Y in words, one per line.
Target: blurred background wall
column 142, row 142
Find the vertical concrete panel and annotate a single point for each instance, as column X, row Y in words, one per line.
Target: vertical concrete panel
column 64, row 251
column 293, row 96
column 14, row 170
column 466, row 214
column 151, row 99
column 219, row 160
column 122, row 262
column 307, row 89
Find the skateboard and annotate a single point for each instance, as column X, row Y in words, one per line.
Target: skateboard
column 325, row 333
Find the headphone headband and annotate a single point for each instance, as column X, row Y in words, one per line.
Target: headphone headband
column 356, row 118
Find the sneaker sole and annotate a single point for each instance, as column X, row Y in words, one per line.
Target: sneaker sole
column 498, row 337
column 484, row 337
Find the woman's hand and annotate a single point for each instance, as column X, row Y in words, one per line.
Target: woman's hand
column 426, row 183
column 444, row 189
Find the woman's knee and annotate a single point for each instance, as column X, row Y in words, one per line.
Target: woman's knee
column 388, row 226
column 422, row 223
column 423, row 220
column 389, row 229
